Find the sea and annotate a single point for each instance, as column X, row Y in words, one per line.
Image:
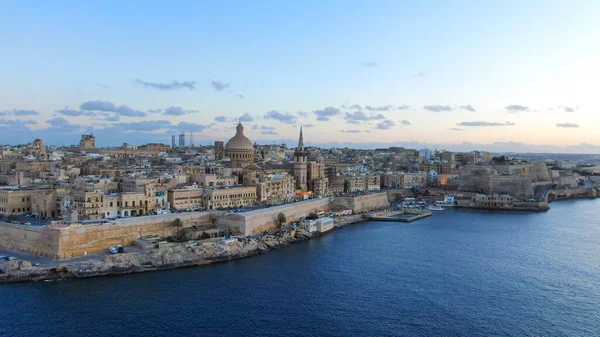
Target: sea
column 456, row 273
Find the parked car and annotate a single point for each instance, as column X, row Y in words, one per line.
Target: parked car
column 3, row 257
column 36, row 263
column 120, row 249
column 113, row 250
column 11, row 258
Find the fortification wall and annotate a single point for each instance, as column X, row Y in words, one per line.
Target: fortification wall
column 38, row 241
column 517, row 186
column 362, row 203
column 262, row 220
column 575, row 193
column 77, row 240
column 398, row 194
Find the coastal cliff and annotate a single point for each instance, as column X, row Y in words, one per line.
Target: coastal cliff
column 175, row 256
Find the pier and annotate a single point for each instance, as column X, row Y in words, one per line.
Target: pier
column 404, row 215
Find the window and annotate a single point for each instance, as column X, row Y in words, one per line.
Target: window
column 111, row 204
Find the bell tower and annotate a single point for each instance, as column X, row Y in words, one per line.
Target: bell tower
column 300, row 164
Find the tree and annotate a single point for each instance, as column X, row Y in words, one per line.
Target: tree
column 500, row 160
column 281, row 219
column 177, row 223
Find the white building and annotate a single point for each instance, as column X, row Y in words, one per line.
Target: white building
column 324, row 224
column 309, row 225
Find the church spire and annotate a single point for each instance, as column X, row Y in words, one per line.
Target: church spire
column 301, row 141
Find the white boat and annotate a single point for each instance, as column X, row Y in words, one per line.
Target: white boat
column 435, row 208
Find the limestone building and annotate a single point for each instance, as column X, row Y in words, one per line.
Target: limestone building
column 87, row 142
column 239, row 148
column 15, row 201
column 229, row 197
column 219, row 150
column 187, row 197
column 275, row 188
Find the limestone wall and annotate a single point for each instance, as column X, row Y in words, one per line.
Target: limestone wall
column 517, row 186
column 262, row 220
column 398, row 193
column 38, row 241
column 362, row 203
column 76, row 240
column 574, row 193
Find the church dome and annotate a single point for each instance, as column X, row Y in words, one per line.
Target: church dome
column 38, row 142
column 239, row 142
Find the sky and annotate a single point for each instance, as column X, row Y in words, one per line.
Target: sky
column 518, row 76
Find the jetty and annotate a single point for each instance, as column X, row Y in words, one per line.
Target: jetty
column 403, row 215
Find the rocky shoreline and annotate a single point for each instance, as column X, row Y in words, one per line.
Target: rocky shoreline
column 178, row 256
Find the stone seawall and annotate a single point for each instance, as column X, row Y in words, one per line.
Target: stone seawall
column 362, row 203
column 183, row 255
column 575, row 193
column 62, row 242
column 32, row 240
column 262, row 220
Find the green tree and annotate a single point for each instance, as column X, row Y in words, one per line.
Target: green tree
column 177, row 223
column 281, row 219
column 500, row 160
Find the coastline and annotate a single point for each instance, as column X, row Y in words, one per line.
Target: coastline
column 182, row 255
column 179, row 255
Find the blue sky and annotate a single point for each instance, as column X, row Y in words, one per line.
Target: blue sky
column 443, row 73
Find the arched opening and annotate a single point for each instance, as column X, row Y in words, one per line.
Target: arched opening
column 133, row 212
column 126, row 213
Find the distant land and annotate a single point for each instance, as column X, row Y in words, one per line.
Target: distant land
column 139, row 138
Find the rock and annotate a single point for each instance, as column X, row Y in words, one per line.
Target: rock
column 25, row 265
column 9, row 266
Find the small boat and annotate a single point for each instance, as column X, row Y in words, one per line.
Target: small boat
column 435, row 208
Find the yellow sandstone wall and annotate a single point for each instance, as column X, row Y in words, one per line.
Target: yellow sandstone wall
column 42, row 242
column 76, row 240
column 262, row 220
column 362, row 203
column 573, row 193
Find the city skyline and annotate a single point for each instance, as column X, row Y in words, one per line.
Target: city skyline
column 500, row 77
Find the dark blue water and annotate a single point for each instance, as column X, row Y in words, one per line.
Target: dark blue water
column 453, row 274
